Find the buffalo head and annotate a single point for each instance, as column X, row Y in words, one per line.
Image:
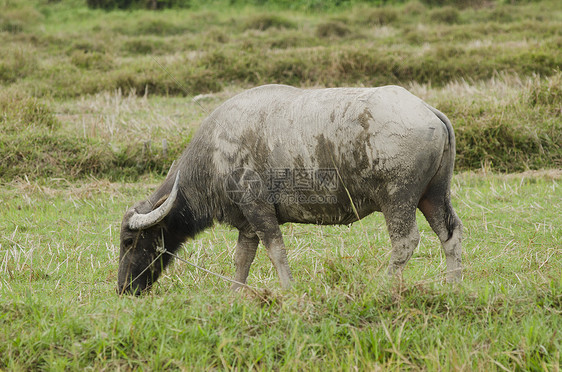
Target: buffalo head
column 142, row 235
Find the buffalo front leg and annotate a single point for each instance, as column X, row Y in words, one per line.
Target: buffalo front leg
column 404, row 236
column 262, row 218
column 273, row 241
column 244, row 256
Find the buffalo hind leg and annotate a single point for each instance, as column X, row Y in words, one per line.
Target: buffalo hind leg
column 442, row 218
column 244, row 256
column 404, row 236
column 262, row 218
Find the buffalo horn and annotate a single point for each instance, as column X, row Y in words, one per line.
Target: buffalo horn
column 142, row 221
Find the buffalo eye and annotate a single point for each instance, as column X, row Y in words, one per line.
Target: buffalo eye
column 128, row 242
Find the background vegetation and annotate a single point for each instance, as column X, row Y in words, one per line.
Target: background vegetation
column 57, row 52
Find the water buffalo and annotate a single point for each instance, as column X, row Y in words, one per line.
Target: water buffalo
column 277, row 154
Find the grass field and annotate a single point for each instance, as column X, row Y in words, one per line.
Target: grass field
column 90, row 99
column 59, row 310
column 87, row 86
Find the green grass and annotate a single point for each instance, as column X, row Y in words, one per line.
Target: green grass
column 59, row 310
column 64, row 63
column 64, row 49
column 36, row 142
column 506, row 124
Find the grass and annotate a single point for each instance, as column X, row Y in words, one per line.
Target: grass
column 70, row 64
column 58, row 264
column 507, row 123
column 85, row 139
column 500, row 124
column 64, row 49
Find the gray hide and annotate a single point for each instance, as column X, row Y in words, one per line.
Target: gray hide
column 277, row 154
